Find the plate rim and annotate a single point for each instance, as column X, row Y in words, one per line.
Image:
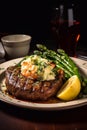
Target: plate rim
column 40, row 106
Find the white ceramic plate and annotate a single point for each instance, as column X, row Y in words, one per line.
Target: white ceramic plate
column 40, row 106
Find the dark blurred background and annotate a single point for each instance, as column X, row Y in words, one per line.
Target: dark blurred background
column 31, row 17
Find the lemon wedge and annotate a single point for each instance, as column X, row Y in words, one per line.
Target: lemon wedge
column 70, row 89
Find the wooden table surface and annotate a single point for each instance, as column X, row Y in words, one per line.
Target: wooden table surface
column 17, row 118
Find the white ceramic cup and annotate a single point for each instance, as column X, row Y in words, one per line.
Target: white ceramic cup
column 16, row 45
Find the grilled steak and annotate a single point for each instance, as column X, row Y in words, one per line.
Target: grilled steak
column 25, row 88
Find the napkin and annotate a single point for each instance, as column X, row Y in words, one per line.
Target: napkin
column 2, row 53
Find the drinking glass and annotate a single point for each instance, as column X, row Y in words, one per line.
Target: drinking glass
column 66, row 28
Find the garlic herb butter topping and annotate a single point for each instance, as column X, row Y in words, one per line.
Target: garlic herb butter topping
column 37, row 67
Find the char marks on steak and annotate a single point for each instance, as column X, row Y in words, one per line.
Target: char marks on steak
column 29, row 89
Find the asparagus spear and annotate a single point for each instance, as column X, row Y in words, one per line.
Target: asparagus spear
column 75, row 68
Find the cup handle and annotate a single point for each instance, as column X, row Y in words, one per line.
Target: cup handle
column 2, row 51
